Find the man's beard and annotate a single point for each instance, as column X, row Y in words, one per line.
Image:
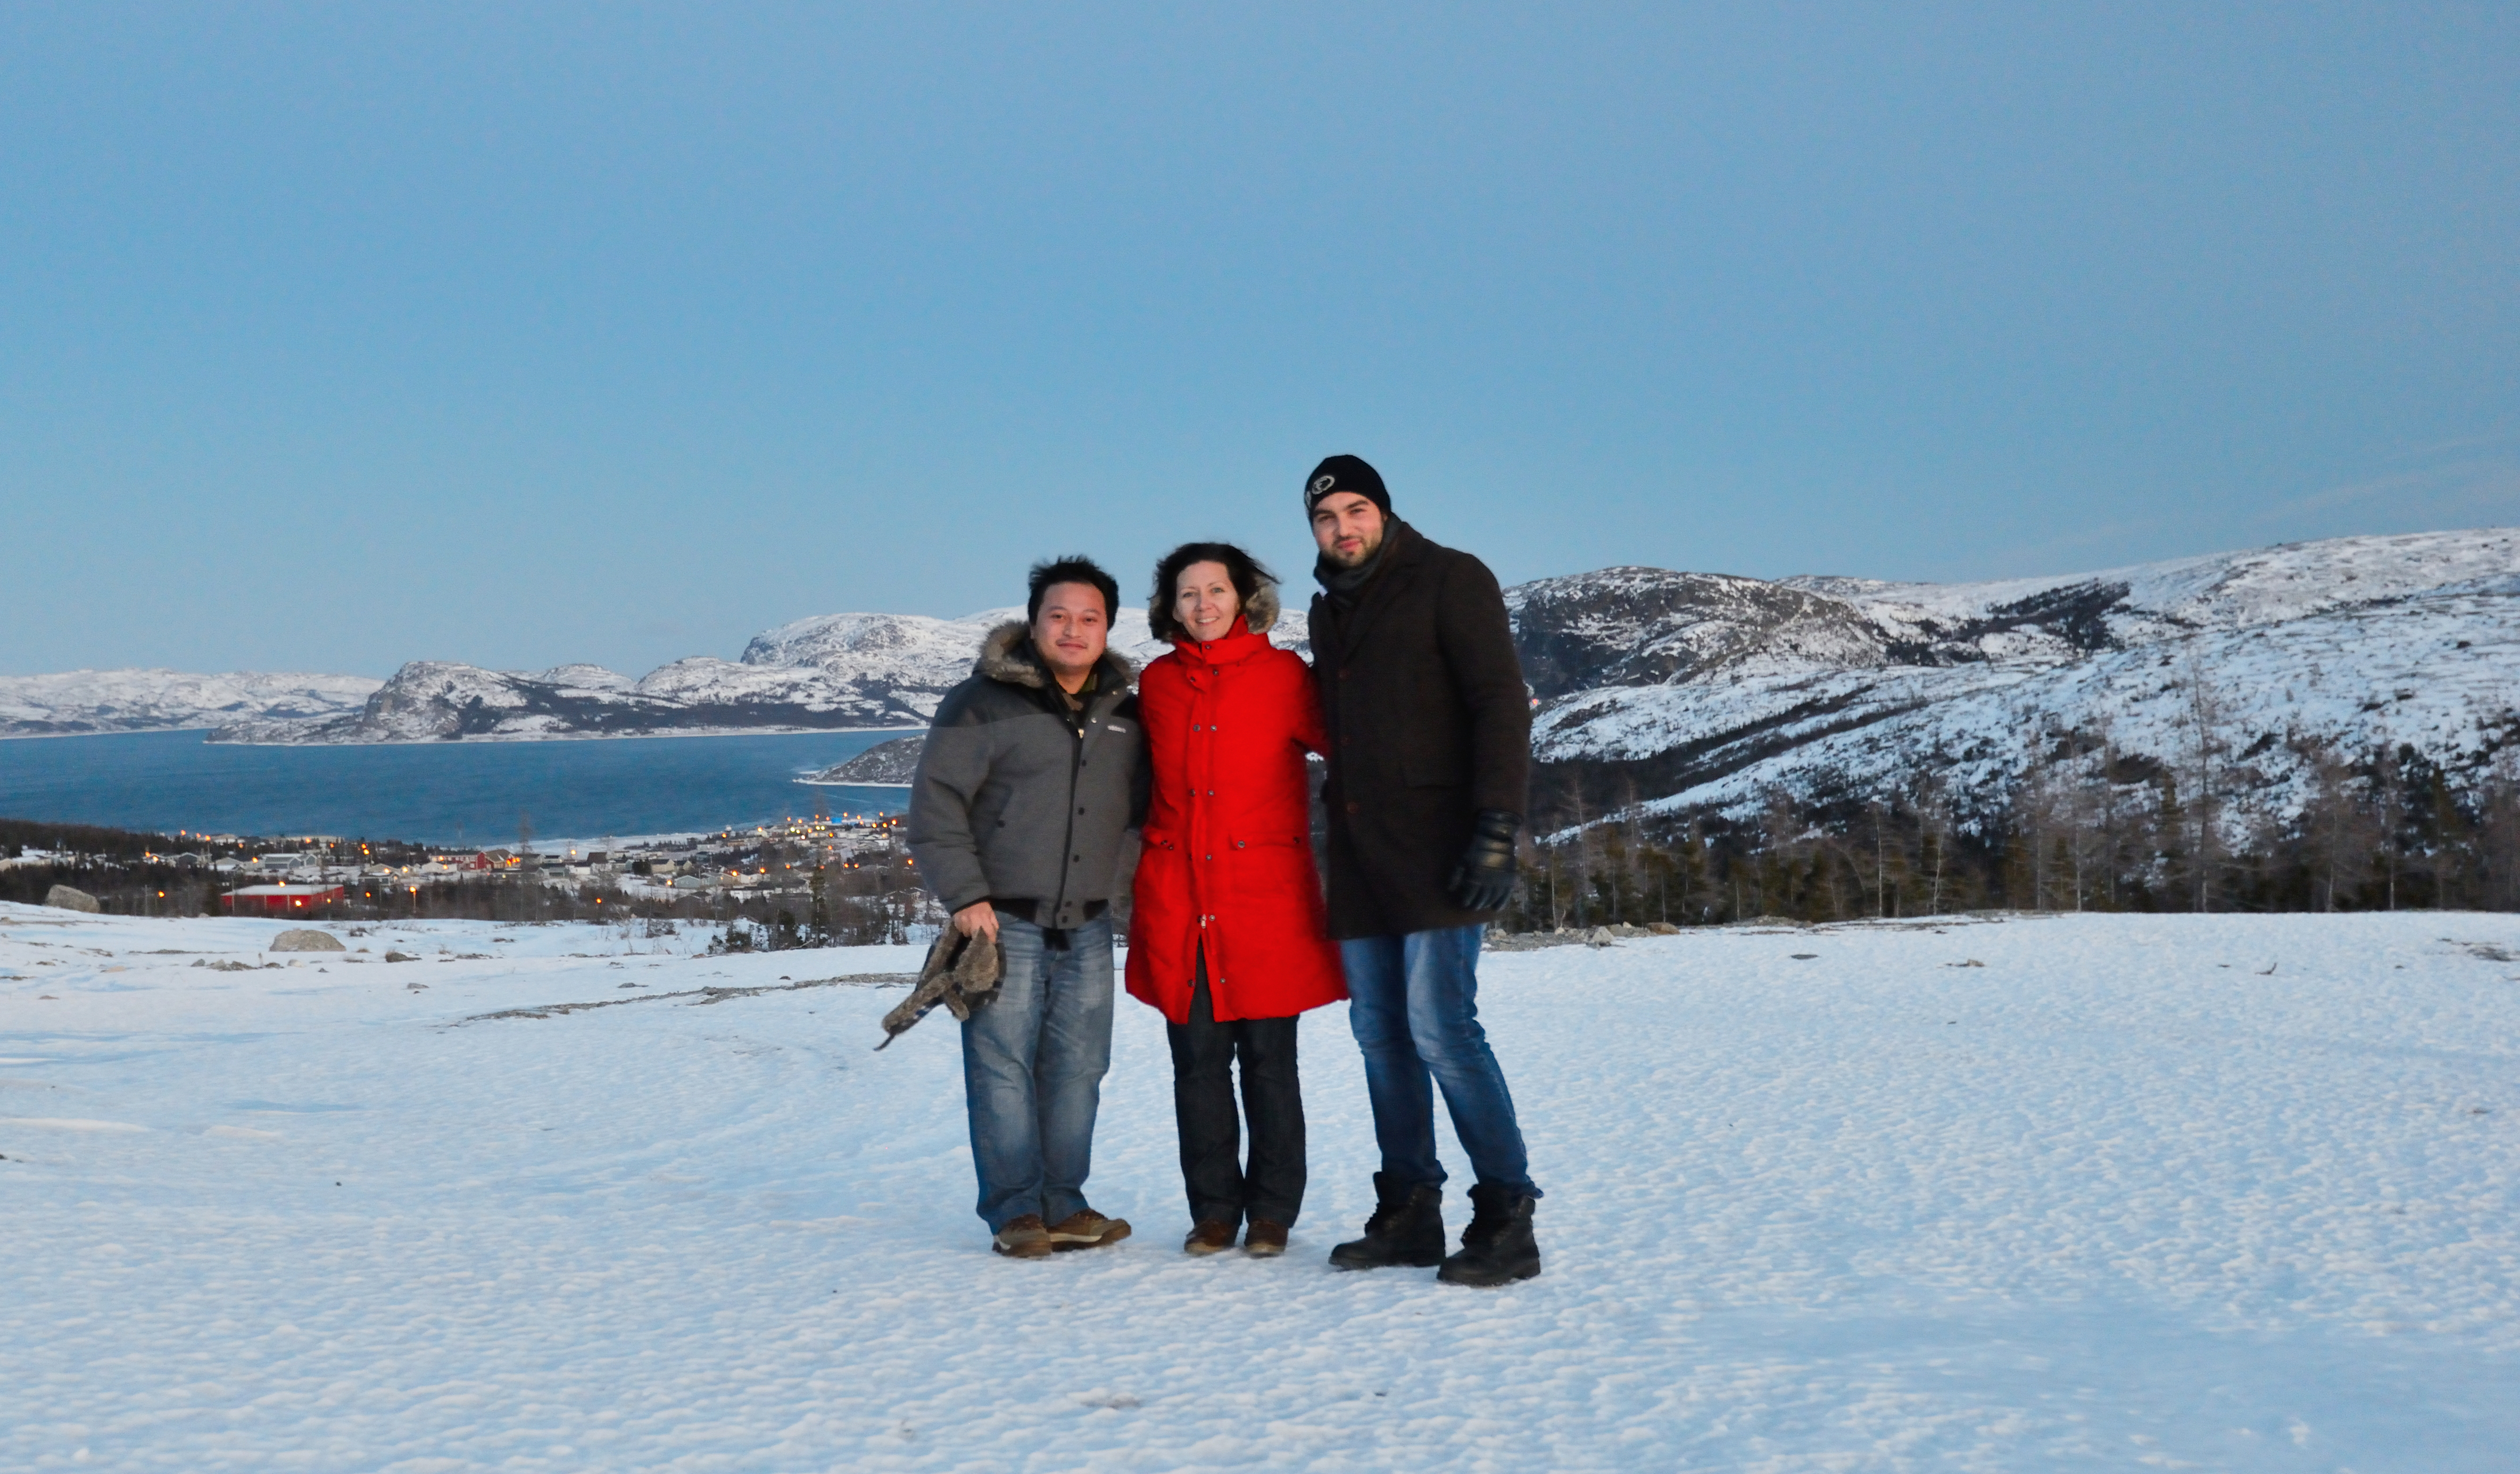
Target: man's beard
column 1358, row 558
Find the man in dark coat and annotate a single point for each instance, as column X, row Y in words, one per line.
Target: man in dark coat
column 1030, row 779
column 1429, row 726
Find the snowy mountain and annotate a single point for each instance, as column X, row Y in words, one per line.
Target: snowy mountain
column 1685, row 693
column 1667, row 692
column 82, row 702
column 832, row 672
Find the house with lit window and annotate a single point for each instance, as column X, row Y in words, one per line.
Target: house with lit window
column 280, row 900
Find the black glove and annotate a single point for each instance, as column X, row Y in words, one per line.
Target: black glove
column 1484, row 880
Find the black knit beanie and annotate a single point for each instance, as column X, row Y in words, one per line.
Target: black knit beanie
column 1345, row 474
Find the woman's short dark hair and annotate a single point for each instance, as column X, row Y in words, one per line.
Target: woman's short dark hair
column 1073, row 568
column 1246, row 571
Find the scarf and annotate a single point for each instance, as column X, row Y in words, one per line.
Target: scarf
column 1343, row 585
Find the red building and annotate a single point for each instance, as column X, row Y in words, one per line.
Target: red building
column 281, row 900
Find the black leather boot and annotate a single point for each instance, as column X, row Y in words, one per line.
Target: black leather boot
column 1498, row 1247
column 1407, row 1227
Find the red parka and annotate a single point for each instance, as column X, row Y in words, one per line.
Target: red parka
column 1227, row 856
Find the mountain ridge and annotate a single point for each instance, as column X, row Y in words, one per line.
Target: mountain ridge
column 2305, row 654
column 96, row 702
column 1658, row 693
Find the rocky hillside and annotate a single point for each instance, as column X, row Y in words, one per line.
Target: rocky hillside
column 887, row 765
column 1683, row 692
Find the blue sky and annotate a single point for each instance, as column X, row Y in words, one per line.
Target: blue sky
column 334, row 337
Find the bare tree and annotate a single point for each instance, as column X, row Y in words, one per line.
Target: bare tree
column 1933, row 808
column 2204, row 718
column 2336, row 833
column 2497, row 833
column 2389, row 817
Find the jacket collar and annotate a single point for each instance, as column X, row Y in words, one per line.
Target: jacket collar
column 1402, row 550
column 1259, row 617
column 1232, row 650
column 1007, row 655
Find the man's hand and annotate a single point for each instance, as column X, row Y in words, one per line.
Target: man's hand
column 977, row 919
column 1484, row 880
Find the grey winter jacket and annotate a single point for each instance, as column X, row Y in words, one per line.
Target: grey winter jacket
column 1018, row 801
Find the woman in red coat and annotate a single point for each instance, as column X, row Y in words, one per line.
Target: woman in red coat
column 1229, row 936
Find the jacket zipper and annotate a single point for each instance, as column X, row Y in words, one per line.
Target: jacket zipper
column 1076, row 766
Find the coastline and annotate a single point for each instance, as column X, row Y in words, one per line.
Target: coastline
column 483, row 737
column 437, row 793
column 41, row 737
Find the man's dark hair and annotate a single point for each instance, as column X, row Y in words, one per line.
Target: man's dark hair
column 1241, row 567
column 1071, row 568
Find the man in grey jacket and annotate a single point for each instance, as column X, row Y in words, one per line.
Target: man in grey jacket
column 1032, row 775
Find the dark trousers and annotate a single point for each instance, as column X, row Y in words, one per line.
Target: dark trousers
column 1413, row 1004
column 1222, row 1189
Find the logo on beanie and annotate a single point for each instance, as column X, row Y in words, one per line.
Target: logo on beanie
column 1323, row 483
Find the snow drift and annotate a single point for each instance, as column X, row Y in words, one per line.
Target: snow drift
column 2213, row 1191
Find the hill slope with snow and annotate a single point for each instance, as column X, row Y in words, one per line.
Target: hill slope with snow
column 1686, row 692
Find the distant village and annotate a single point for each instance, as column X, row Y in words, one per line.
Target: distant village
column 811, row 880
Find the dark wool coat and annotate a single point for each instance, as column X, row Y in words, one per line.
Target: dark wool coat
column 1227, row 855
column 1429, row 723
column 1016, row 800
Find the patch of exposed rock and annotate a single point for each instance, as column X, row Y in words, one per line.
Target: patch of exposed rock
column 883, row 765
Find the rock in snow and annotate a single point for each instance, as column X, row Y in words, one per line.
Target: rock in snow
column 306, row 938
column 70, row 898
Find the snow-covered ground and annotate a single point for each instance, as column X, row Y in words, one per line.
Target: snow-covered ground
column 2219, row 1192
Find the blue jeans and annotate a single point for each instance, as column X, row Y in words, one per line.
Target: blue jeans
column 1033, row 1061
column 1413, row 1004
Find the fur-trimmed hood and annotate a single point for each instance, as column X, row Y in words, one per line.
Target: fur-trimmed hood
column 1259, row 614
column 1006, row 654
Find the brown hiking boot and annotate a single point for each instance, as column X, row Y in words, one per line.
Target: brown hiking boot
column 1023, row 1237
column 1086, row 1228
column 1264, row 1239
column 1209, row 1237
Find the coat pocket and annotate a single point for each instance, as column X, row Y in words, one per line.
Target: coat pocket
column 1161, row 861
column 1272, row 864
column 1162, row 884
